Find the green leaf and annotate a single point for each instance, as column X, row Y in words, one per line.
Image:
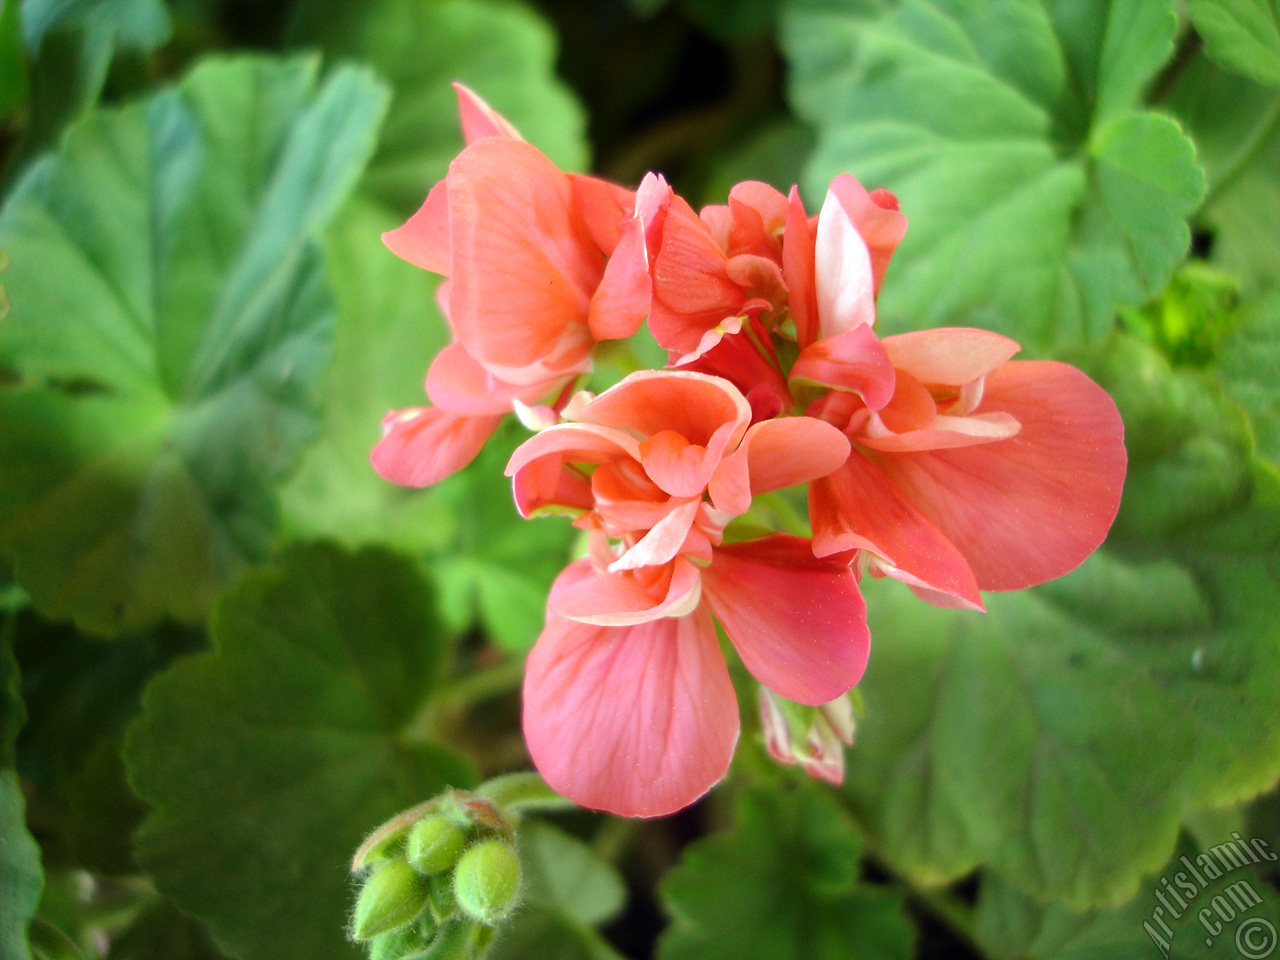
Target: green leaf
column 1060, row 738
column 1040, row 197
column 161, row 931
column 498, row 568
column 71, row 45
column 21, row 875
column 774, row 154
column 1247, row 366
column 1236, row 126
column 503, row 51
column 781, row 884
column 1244, row 35
column 561, row 873
column 13, row 68
column 548, row 936
column 268, row 759
column 83, row 693
column 389, row 328
column 170, row 323
column 1017, row 927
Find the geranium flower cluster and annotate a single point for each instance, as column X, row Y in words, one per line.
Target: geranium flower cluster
column 930, row 457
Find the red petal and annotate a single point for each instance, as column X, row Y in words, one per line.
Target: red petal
column 1033, row 507
column 798, row 271
column 857, row 508
column 798, row 622
column 422, row 446
column 854, row 360
column 639, row 721
column 791, row 450
column 605, row 207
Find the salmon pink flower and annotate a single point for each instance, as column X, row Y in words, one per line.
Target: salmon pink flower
column 540, row 265
column 628, row 705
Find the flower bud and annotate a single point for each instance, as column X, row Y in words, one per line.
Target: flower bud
column 487, row 880
column 435, row 844
column 392, row 897
column 408, row 941
column 812, row 737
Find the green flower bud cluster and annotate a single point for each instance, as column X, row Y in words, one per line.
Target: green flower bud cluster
column 436, row 880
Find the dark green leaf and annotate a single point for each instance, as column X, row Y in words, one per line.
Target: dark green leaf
column 268, row 759
column 170, row 323
column 1243, row 35
column 1248, row 365
column 1040, row 197
column 1236, row 126
column 21, row 875
column 13, row 68
column 505, row 52
column 781, row 884
column 548, row 936
column 161, row 932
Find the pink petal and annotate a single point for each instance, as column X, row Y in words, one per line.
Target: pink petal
column 692, row 405
column 791, row 450
column 605, row 207
column 797, row 621
column 842, row 272
column 629, row 596
column 422, row 446
column 944, row 433
column 857, row 508
column 639, row 721
column 424, row 238
column 479, row 120
column 622, row 300
column 455, row 382
column 663, row 541
column 877, row 218
column 574, row 443
column 798, row 271
column 765, row 200
column 1033, row 507
column 949, row 356
column 854, row 360
column 524, row 264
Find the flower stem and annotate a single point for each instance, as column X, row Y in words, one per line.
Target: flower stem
column 462, row 691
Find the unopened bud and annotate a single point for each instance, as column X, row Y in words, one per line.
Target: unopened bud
column 435, row 845
column 392, row 897
column 408, row 941
column 487, row 880
column 812, row 737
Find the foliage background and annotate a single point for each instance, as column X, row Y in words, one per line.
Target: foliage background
column 229, row 649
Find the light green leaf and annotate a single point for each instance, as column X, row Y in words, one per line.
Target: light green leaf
column 269, row 758
column 1039, row 197
column 561, row 873
column 1015, row 927
column 170, row 323
column 502, row 50
column 781, row 884
column 1243, row 35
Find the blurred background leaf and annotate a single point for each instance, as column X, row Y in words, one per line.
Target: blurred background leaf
column 171, row 322
column 21, row 874
column 1243, row 35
